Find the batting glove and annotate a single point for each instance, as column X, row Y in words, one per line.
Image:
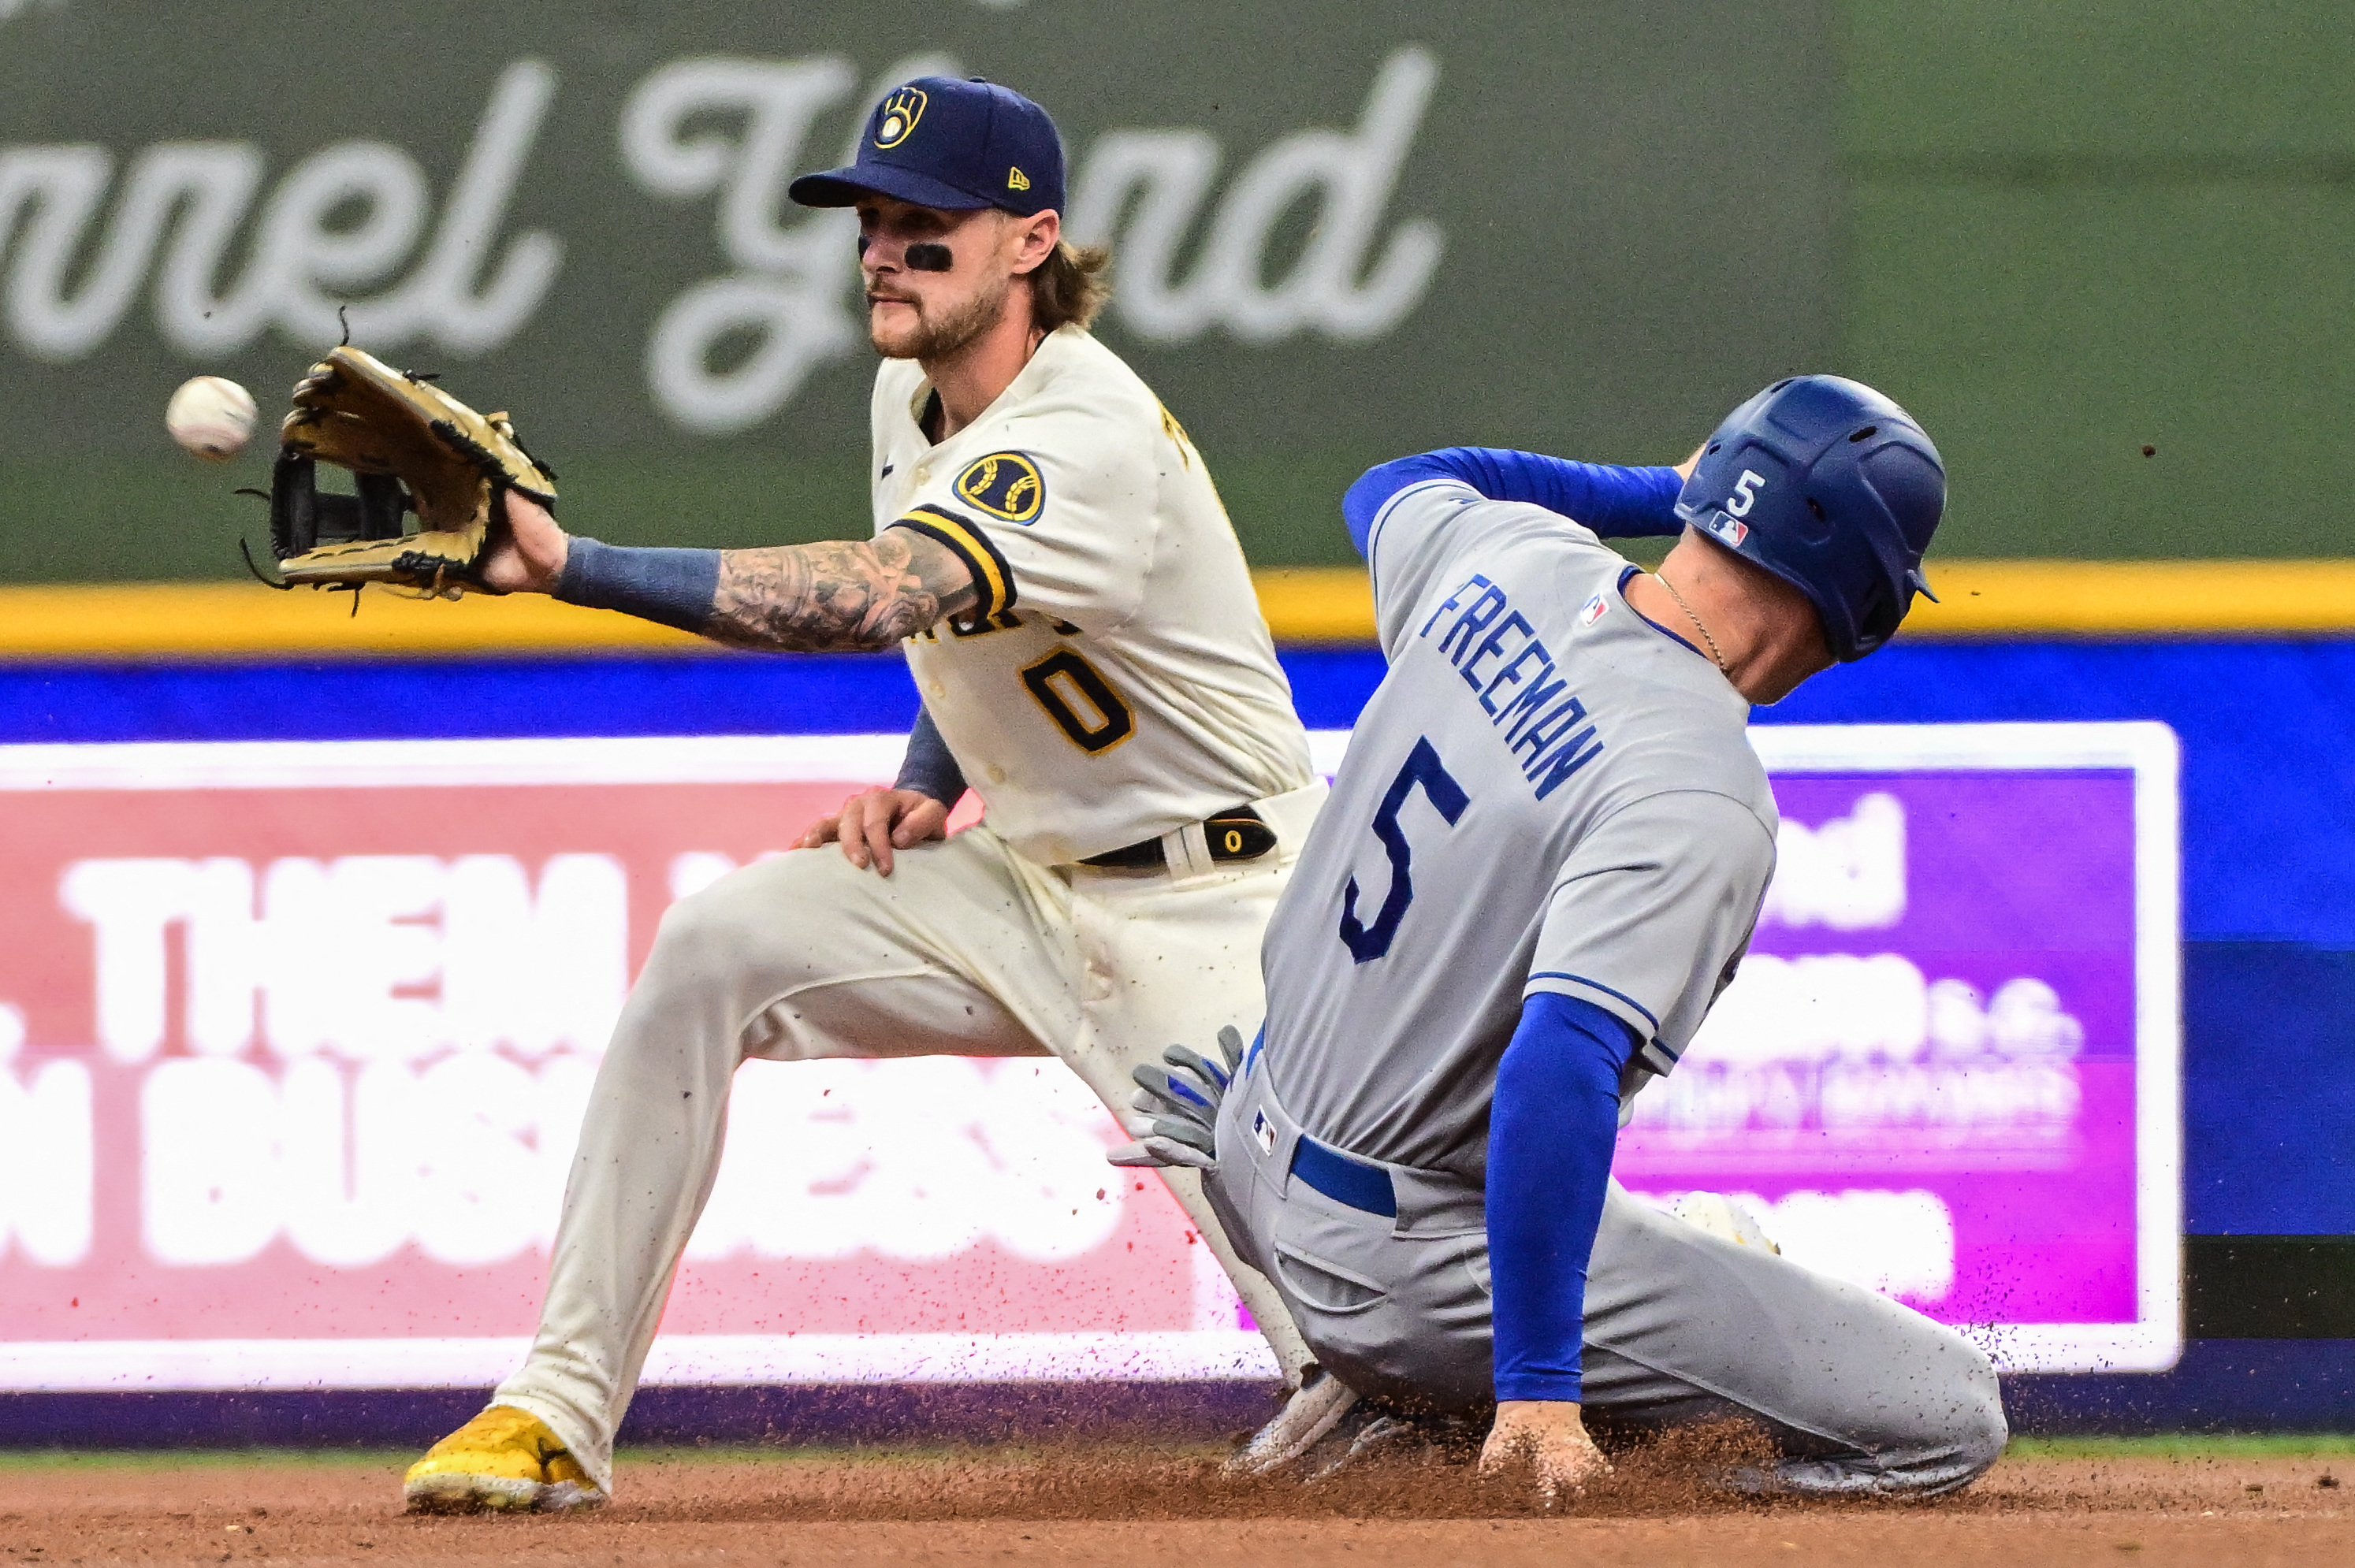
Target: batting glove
column 1179, row 1106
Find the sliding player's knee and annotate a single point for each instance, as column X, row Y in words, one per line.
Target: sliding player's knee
column 1960, row 1430
column 1980, row 1428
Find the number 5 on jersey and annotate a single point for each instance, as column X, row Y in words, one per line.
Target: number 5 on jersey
column 1366, row 943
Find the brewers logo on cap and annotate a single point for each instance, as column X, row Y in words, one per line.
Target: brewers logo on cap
column 1006, row 486
column 900, row 113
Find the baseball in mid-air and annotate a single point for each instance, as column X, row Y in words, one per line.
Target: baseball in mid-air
column 211, row 417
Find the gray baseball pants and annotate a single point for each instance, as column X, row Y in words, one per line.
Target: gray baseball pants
column 1857, row 1394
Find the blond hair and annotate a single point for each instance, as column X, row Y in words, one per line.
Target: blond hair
column 1069, row 287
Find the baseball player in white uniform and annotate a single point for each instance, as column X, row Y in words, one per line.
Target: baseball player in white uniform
column 1544, row 855
column 1081, row 624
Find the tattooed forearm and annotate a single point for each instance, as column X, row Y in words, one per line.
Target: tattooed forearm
column 865, row 593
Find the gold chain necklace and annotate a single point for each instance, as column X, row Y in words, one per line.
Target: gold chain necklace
column 1705, row 637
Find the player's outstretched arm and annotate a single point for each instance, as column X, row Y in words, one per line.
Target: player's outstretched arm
column 1552, row 1128
column 840, row 594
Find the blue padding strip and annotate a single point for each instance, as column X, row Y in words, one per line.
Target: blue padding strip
column 1344, row 1179
column 720, row 693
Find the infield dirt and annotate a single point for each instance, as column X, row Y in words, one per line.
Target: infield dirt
column 1142, row 1509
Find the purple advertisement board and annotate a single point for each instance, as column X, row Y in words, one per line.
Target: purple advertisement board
column 1948, row 1067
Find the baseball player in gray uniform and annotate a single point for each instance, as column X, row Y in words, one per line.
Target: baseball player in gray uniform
column 1540, row 862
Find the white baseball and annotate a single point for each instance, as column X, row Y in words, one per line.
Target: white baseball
column 211, row 417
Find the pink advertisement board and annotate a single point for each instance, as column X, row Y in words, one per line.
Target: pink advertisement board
column 293, row 1039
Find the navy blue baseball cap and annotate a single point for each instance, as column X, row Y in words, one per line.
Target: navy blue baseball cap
column 958, row 145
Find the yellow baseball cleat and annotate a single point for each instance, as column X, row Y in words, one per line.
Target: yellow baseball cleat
column 503, row 1459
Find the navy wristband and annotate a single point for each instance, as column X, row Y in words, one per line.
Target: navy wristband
column 676, row 588
column 929, row 768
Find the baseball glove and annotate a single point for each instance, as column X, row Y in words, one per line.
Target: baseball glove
column 411, row 447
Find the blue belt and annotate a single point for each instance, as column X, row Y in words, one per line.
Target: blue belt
column 1344, row 1178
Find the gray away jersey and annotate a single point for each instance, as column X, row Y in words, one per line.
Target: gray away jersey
column 1547, row 793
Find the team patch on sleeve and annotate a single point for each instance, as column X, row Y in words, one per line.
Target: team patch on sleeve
column 970, row 542
column 1007, row 485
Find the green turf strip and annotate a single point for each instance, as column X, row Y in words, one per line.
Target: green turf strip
column 2187, row 1445
column 2273, row 1445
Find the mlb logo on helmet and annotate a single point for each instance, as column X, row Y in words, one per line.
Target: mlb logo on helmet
column 984, row 145
column 1835, row 488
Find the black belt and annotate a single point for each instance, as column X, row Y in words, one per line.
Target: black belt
column 1236, row 835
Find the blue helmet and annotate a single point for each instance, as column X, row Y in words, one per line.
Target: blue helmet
column 1834, row 489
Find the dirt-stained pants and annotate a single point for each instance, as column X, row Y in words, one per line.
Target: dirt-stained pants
column 967, row 948
column 1857, row 1394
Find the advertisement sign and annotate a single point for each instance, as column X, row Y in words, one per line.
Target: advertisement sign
column 294, row 1039
column 1326, row 219
column 1948, row 1068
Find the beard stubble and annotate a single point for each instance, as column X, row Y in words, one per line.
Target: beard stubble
column 937, row 337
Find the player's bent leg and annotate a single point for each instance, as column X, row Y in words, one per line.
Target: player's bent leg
column 1857, row 1394
column 1388, row 1305
column 767, row 959
column 1164, row 963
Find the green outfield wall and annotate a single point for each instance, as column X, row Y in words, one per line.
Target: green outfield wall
column 2078, row 227
column 2060, row 232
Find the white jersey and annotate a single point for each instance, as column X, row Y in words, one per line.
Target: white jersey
column 1116, row 681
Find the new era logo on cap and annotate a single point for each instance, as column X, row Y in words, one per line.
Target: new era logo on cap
column 982, row 145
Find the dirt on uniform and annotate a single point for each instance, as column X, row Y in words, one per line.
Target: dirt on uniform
column 1144, row 1509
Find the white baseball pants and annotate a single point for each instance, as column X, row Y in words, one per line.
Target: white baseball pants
column 967, row 948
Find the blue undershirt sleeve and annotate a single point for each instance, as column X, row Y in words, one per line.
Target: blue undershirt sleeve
column 1616, row 503
column 1550, row 1136
column 929, row 768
